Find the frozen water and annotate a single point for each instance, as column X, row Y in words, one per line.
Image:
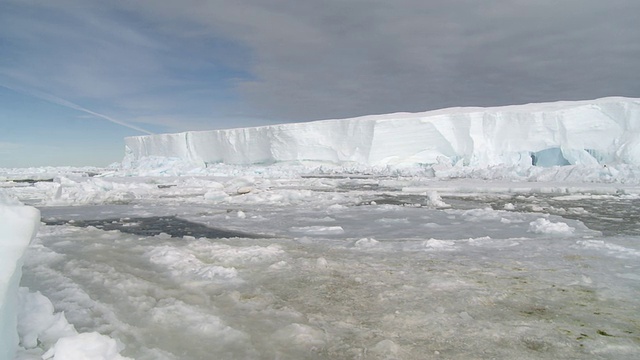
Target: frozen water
column 18, row 225
column 602, row 131
column 344, row 267
column 463, row 233
column 155, row 225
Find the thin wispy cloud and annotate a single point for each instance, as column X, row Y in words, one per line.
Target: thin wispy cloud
column 68, row 104
column 9, row 146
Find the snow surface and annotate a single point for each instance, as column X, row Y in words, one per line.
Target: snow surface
column 602, row 131
column 347, row 266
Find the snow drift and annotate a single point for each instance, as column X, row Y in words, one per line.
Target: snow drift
column 592, row 132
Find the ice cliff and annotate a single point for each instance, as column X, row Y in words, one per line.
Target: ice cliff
column 591, row 132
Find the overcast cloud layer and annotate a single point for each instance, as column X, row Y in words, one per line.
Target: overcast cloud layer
column 179, row 65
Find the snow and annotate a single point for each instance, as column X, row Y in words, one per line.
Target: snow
column 89, row 346
column 18, row 225
column 40, row 326
column 28, row 320
column 338, row 266
column 318, row 230
column 544, row 226
column 39, row 322
column 602, row 131
column 332, row 248
column 186, row 265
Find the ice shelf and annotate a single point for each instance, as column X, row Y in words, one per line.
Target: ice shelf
column 590, row 132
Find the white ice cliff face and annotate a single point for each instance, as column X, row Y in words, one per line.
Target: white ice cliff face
column 18, row 225
column 601, row 131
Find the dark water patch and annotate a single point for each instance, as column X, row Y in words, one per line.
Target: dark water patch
column 28, row 181
column 156, row 225
column 337, row 176
column 603, row 333
column 166, row 186
column 365, row 186
column 400, row 200
column 611, row 216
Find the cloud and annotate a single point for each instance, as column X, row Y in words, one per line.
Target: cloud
column 290, row 60
column 6, row 146
column 76, row 54
column 59, row 101
column 102, row 57
column 336, row 58
column 464, row 53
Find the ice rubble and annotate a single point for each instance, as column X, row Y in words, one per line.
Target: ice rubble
column 602, row 131
column 27, row 320
column 40, row 327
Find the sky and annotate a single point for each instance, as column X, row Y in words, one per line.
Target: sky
column 77, row 76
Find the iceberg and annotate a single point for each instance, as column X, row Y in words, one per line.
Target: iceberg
column 18, row 225
column 601, row 131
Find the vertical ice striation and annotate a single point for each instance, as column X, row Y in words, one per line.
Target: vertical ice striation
column 558, row 133
column 18, row 225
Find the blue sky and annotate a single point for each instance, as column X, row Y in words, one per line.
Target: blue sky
column 77, row 76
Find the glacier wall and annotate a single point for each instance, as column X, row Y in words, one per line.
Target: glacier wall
column 18, row 225
column 591, row 132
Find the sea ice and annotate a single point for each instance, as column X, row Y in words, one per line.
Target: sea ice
column 544, row 226
column 18, row 225
column 448, row 234
column 89, row 346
